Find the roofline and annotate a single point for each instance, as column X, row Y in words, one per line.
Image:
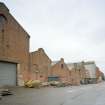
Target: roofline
column 5, row 7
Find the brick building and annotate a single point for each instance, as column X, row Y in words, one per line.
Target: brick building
column 59, row 72
column 77, row 73
column 39, row 64
column 99, row 75
column 18, row 65
column 14, row 49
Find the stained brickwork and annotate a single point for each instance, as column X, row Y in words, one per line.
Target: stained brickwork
column 99, row 75
column 14, row 48
column 60, row 70
column 39, row 64
column 14, row 43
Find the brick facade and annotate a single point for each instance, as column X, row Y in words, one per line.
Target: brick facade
column 99, row 75
column 14, row 48
column 39, row 64
column 77, row 73
column 14, row 44
column 61, row 71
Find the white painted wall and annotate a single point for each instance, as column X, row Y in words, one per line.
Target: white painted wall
column 92, row 70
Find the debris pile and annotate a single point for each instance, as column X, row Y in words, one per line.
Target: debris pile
column 5, row 92
column 32, row 84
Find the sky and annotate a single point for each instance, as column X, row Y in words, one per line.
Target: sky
column 69, row 29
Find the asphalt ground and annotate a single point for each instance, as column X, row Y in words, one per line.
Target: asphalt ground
column 93, row 94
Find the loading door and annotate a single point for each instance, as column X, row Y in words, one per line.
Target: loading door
column 7, row 74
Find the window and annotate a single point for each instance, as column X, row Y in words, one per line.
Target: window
column 2, row 22
column 62, row 66
column 41, row 76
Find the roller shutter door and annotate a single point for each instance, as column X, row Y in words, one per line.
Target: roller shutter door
column 7, row 74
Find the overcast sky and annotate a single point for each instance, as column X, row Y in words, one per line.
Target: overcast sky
column 72, row 29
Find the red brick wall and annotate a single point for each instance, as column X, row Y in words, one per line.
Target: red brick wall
column 14, row 44
column 60, row 69
column 39, row 64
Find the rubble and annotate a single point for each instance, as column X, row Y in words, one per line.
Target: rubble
column 5, row 92
column 32, row 84
column 45, row 84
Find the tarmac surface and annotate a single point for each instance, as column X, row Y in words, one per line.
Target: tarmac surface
column 93, row 94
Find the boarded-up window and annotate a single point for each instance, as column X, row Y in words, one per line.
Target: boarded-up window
column 62, row 66
column 2, row 22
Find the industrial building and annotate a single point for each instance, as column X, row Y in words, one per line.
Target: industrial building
column 14, row 50
column 17, row 64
